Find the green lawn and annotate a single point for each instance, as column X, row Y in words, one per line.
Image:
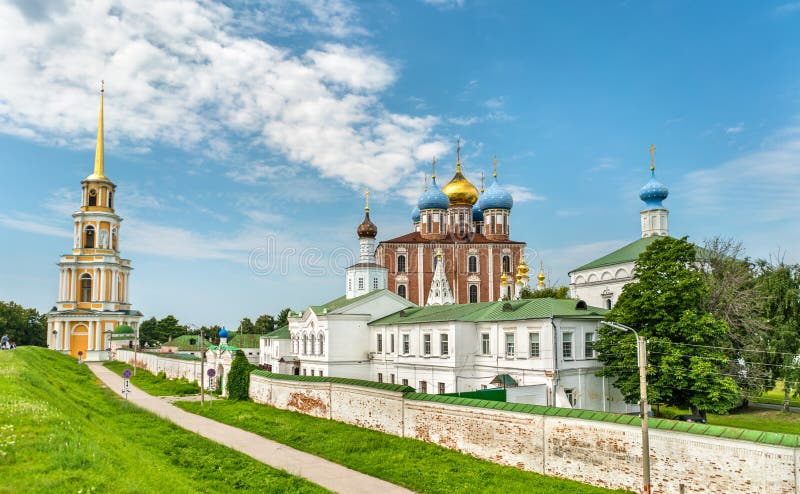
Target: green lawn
column 60, row 431
column 749, row 418
column 155, row 385
column 775, row 396
column 420, row 466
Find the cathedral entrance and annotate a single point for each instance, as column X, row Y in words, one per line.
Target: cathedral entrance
column 79, row 341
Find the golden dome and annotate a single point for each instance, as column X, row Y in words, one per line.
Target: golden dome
column 459, row 190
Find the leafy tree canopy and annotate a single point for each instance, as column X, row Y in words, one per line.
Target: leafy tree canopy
column 239, row 378
column 23, row 326
column 561, row 292
column 264, row 324
column 246, row 326
column 667, row 306
column 283, row 317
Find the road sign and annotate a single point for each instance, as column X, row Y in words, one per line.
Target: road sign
column 127, row 374
column 211, row 373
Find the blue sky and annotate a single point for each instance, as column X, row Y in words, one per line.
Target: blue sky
column 241, row 134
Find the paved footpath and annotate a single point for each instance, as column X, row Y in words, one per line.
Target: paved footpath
column 329, row 475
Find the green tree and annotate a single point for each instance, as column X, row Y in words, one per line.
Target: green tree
column 283, row 317
column 239, row 378
column 24, row 326
column 168, row 327
column 246, row 326
column 561, row 292
column 667, row 306
column 264, row 324
column 148, row 331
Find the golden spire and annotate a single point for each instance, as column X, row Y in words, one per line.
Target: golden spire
column 366, row 199
column 652, row 152
column 522, row 270
column 482, row 184
column 494, row 164
column 99, row 163
column 458, row 155
column 433, row 169
column 540, row 285
column 504, row 279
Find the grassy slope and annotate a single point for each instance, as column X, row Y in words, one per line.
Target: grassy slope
column 155, row 385
column 775, row 396
column 417, row 465
column 60, row 431
column 748, row 418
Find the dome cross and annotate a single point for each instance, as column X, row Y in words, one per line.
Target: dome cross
column 652, row 152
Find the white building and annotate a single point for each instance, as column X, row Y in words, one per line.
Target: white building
column 600, row 282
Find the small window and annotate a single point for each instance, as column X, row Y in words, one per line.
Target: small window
column 391, row 378
column 566, row 345
column 426, row 344
column 588, row 345
column 89, row 241
column 380, row 343
column 349, row 285
column 473, row 294
column 401, row 264
column 401, row 290
column 472, row 264
column 374, row 283
column 361, row 283
column 534, row 345
column 406, row 344
column 506, row 264
column 380, row 377
column 92, row 197
column 320, row 373
column 570, row 396
column 423, row 387
column 608, row 304
column 509, row 344
column 391, row 343
column 405, row 382
column 485, row 344
column 111, row 200
column 444, row 344
column 441, row 388
column 312, row 372
column 304, row 372
column 483, row 386
column 86, row 288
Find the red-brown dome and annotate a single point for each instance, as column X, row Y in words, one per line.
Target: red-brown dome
column 367, row 228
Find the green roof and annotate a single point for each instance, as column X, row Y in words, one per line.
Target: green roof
column 341, row 302
column 629, row 253
column 340, row 380
column 281, row 333
column 123, row 329
column 184, row 342
column 224, row 346
column 514, row 310
column 245, row 340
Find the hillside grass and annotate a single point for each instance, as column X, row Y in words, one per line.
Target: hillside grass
column 417, row 465
column 61, row 431
column 747, row 418
column 156, row 385
column 775, row 397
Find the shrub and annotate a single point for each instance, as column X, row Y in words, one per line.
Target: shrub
column 239, row 378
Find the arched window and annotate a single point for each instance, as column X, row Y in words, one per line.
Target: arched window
column 305, row 344
column 89, row 237
column 111, row 200
column 313, row 343
column 401, row 290
column 473, row 294
column 472, row 263
column 401, row 264
column 321, row 343
column 506, row 264
column 114, row 238
column 86, row 288
column 92, row 197
column 608, row 303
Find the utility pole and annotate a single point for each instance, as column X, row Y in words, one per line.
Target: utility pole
column 202, row 367
column 641, row 357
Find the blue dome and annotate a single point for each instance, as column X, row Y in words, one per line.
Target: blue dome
column 497, row 198
column 415, row 215
column 433, row 198
column 653, row 192
column 223, row 333
column 477, row 209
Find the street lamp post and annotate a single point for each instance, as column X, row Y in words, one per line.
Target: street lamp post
column 641, row 354
column 193, row 327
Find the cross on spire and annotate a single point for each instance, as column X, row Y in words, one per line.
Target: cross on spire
column 652, row 152
column 433, row 169
column 366, row 199
column 458, row 150
column 482, row 184
column 494, row 164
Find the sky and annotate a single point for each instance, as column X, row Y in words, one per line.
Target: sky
column 241, row 135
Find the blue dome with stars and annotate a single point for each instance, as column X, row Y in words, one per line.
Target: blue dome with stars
column 433, row 198
column 477, row 209
column 653, row 192
column 415, row 214
column 223, row 333
column 496, row 198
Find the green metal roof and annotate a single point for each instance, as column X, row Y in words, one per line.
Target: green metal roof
column 224, row 346
column 281, row 333
column 123, row 329
column 183, row 342
column 514, row 310
column 245, row 340
column 629, row 253
column 339, row 380
column 341, row 302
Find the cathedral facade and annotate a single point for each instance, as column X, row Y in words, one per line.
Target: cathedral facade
column 94, row 281
column 469, row 232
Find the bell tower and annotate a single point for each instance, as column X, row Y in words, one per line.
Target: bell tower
column 93, row 295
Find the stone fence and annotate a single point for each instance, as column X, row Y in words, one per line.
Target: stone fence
column 175, row 367
column 597, row 448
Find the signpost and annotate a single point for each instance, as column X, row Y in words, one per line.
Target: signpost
column 80, row 357
column 211, row 374
column 126, row 385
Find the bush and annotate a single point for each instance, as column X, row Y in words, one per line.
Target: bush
column 239, row 378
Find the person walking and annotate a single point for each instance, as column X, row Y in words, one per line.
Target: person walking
column 4, row 342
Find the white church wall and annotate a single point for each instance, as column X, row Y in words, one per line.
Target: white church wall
column 596, row 286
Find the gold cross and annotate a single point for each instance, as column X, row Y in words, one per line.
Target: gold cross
column 482, row 186
column 433, row 168
column 458, row 150
column 494, row 163
column 102, row 86
column 366, row 196
column 652, row 152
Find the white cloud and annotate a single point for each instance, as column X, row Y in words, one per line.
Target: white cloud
column 336, row 18
column 33, row 224
column 445, row 3
column 523, row 194
column 494, row 103
column 788, row 8
column 736, row 129
column 177, row 73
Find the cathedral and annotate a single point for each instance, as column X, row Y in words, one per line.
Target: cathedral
column 464, row 235
column 94, row 282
